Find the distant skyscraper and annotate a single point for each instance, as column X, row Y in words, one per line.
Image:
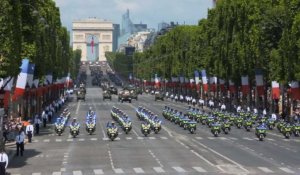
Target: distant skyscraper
column 127, row 25
column 116, row 35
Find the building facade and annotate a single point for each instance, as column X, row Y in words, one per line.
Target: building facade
column 116, row 35
column 93, row 37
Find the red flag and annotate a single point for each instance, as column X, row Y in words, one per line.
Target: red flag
column 92, row 44
column 275, row 90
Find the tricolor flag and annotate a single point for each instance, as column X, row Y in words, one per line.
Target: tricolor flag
column 231, row 87
column 275, row 90
column 30, row 74
column 157, row 81
column 9, row 83
column 197, row 80
column 92, row 44
column 204, row 80
column 259, row 82
column 222, row 85
column 245, row 85
column 213, row 83
column 36, row 83
column 22, row 79
column 295, row 90
column 192, row 81
column 48, row 79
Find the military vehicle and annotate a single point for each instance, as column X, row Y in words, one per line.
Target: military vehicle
column 124, row 95
column 106, row 95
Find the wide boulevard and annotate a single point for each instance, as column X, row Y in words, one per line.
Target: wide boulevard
column 172, row 151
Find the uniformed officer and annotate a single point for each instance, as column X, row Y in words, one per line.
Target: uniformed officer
column 29, row 131
column 3, row 161
column 20, row 143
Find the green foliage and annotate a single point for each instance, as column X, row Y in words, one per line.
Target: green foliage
column 237, row 37
column 33, row 29
column 120, row 62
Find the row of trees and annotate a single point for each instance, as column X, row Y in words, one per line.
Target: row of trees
column 237, row 37
column 32, row 29
column 120, row 62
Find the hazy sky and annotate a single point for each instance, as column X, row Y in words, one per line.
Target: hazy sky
column 150, row 12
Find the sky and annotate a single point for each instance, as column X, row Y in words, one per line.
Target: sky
column 150, row 12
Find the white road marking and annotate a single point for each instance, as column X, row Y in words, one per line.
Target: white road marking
column 201, row 157
column 105, row 138
column 157, row 160
column 211, row 138
column 98, row 171
column 222, row 138
column 81, row 139
column 164, row 138
column 232, row 138
column 138, row 170
column 140, row 138
column 35, row 141
column 77, row 173
column 58, row 140
column 286, row 140
column 246, row 138
column 118, row 171
column 70, row 140
column 168, row 131
column 118, row 138
column 269, row 139
column 77, row 109
column 152, row 138
column 56, row 173
column 199, row 138
column 178, row 169
column 36, row 173
column 94, row 139
column 63, row 169
column 200, row 169
column 287, row 170
column 135, row 132
column 158, row 169
column 223, row 156
column 46, row 140
column 265, row 169
column 128, row 138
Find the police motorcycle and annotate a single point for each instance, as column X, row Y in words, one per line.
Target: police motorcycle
column 149, row 117
column 260, row 131
column 296, row 129
column 112, row 131
column 74, row 128
column 191, row 126
column 210, row 120
column 226, row 126
column 183, row 121
column 215, row 128
column 248, row 124
column 126, row 124
column 239, row 121
column 90, row 125
column 270, row 123
column 287, row 130
column 280, row 125
column 59, row 126
column 145, row 128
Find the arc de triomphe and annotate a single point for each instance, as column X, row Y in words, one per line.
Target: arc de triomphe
column 93, row 37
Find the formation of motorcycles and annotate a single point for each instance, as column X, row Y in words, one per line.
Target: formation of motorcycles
column 150, row 121
column 61, row 123
column 219, row 121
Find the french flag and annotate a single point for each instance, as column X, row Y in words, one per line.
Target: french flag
column 9, row 83
column 192, row 81
column 30, row 74
column 231, row 87
column 245, row 85
column 197, row 80
column 222, row 85
column 22, row 79
column 275, row 90
column 204, row 80
column 295, row 90
column 157, row 81
column 213, row 84
column 259, row 82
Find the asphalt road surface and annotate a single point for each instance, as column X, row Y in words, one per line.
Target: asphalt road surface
column 172, row 151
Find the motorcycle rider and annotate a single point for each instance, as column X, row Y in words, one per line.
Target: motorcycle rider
column 274, row 117
column 74, row 123
column 111, row 125
column 90, row 111
column 261, row 125
column 223, row 107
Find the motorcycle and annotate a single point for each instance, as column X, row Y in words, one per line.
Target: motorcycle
column 145, row 129
column 90, row 128
column 287, row 131
column 296, row 129
column 209, row 121
column 239, row 122
column 226, row 127
column 192, row 127
column 261, row 133
column 280, row 126
column 216, row 129
column 74, row 130
column 271, row 124
column 59, row 129
column 248, row 125
column 203, row 119
column 112, row 133
column 156, row 127
column 127, row 127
